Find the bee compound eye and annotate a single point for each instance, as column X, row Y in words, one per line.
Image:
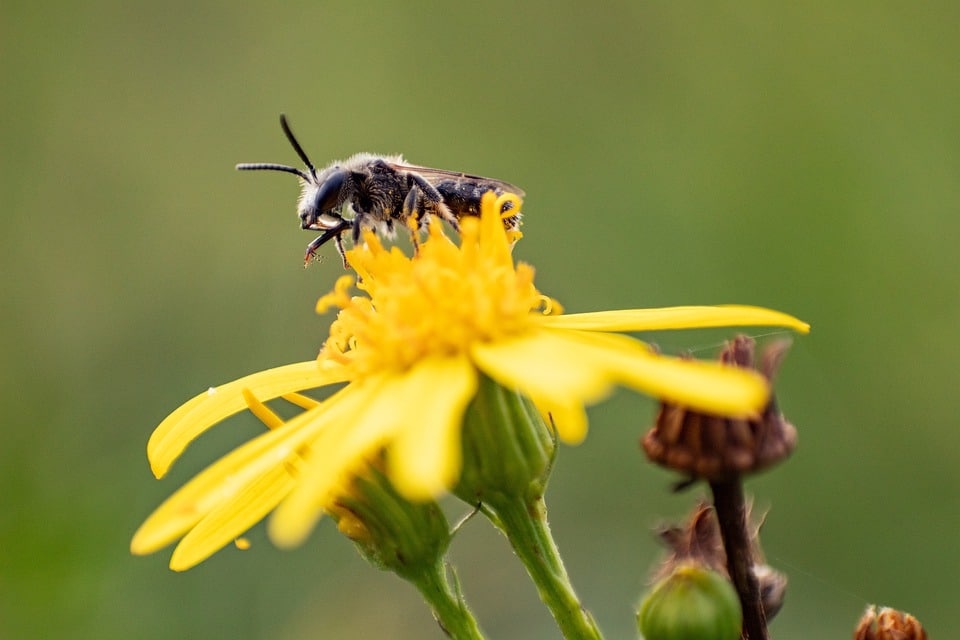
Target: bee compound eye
column 328, row 195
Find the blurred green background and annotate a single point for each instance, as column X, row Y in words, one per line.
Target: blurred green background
column 803, row 157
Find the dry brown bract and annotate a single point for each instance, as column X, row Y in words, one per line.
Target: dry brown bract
column 717, row 448
column 889, row 624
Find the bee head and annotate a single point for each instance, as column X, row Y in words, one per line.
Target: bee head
column 320, row 200
column 321, row 194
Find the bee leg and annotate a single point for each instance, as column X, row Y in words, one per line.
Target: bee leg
column 413, row 212
column 357, row 227
column 429, row 198
column 338, row 241
column 335, row 234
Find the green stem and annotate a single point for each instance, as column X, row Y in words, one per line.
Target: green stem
column 449, row 609
column 525, row 525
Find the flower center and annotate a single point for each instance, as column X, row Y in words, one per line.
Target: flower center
column 437, row 303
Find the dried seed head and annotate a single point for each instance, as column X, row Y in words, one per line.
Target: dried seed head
column 714, row 447
column 889, row 624
column 698, row 541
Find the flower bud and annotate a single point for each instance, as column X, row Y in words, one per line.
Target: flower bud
column 392, row 533
column 716, row 447
column 507, row 448
column 692, row 603
column 889, row 624
column 698, row 541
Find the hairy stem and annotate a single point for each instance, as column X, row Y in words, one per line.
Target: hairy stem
column 449, row 609
column 524, row 522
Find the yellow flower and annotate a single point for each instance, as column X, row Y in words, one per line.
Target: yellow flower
column 411, row 348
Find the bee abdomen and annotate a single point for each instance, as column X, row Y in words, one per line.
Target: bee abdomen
column 463, row 196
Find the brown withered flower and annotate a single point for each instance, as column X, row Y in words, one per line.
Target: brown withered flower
column 716, row 448
column 889, row 624
column 699, row 541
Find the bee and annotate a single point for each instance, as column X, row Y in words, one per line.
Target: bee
column 368, row 191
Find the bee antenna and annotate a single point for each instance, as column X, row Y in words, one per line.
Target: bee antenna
column 297, row 147
column 263, row 166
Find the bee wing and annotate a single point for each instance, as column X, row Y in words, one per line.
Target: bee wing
column 433, row 176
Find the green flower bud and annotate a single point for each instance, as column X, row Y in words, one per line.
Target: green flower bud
column 392, row 533
column 692, row 603
column 408, row 538
column 507, row 448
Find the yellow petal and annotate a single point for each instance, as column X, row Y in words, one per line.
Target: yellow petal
column 231, row 519
column 570, row 419
column 197, row 415
column 425, row 458
column 705, row 386
column 675, row 318
column 428, row 398
column 262, row 412
column 362, row 428
column 231, row 474
column 302, row 401
column 545, row 364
